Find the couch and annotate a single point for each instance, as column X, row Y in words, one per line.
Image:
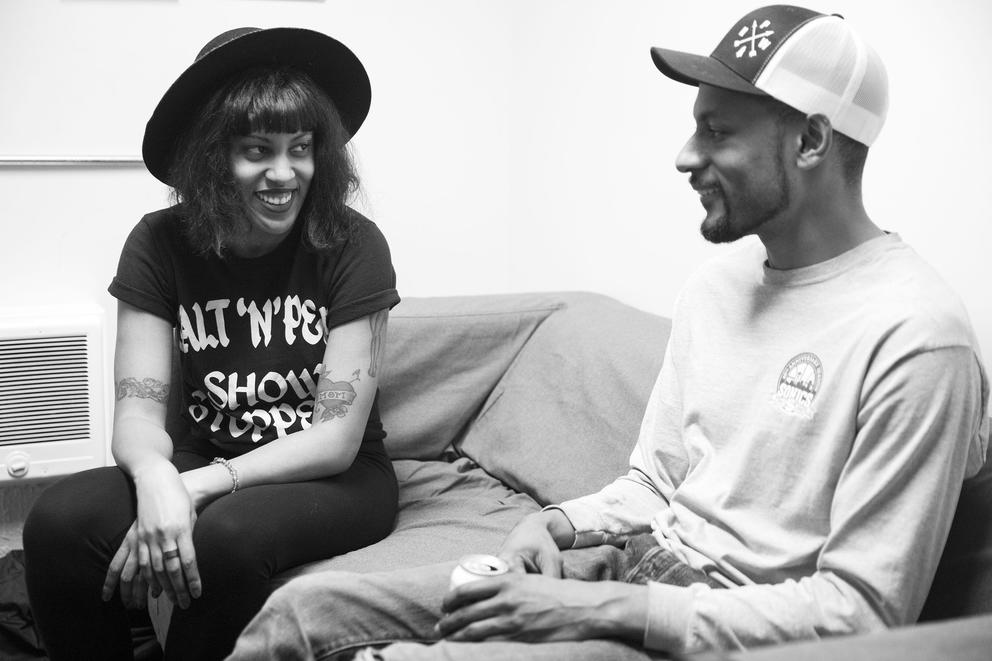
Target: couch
column 497, row 405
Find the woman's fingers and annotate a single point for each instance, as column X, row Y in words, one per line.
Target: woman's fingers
column 130, row 574
column 153, row 569
column 139, row 594
column 182, row 571
column 174, row 569
column 155, row 585
column 173, row 563
column 139, row 566
column 187, row 556
column 113, row 576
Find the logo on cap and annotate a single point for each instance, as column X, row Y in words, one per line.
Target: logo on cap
column 756, row 39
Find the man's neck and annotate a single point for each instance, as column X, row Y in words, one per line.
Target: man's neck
column 817, row 234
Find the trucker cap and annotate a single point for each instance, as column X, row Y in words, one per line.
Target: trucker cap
column 811, row 61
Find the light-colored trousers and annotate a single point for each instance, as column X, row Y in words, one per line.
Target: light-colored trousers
column 332, row 615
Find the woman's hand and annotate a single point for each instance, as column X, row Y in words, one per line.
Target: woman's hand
column 160, row 542
column 124, row 572
column 166, row 516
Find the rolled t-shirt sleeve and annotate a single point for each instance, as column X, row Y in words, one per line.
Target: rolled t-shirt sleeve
column 361, row 280
column 144, row 277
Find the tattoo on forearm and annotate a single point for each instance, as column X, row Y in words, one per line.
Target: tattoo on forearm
column 334, row 397
column 143, row 389
column 378, row 322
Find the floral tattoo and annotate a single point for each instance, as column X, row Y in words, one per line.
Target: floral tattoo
column 143, row 389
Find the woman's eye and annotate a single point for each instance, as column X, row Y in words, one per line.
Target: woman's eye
column 302, row 148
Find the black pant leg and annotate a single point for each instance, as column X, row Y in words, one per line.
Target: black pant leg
column 243, row 540
column 70, row 536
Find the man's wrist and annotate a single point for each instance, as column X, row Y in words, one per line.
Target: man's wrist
column 558, row 526
column 624, row 612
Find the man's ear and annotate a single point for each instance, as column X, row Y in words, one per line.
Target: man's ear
column 815, row 141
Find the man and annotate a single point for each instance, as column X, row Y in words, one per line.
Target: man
column 802, row 452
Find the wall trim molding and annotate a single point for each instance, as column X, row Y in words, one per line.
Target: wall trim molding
column 21, row 161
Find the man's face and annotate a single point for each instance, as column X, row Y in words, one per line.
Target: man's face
column 735, row 162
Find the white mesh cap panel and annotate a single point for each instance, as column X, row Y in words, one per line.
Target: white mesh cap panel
column 874, row 91
column 825, row 67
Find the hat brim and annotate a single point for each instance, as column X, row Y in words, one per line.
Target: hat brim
column 693, row 69
column 331, row 65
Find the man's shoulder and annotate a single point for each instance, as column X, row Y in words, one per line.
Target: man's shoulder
column 907, row 293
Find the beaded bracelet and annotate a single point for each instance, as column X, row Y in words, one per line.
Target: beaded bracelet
column 230, row 469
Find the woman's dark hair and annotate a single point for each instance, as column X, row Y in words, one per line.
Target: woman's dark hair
column 270, row 100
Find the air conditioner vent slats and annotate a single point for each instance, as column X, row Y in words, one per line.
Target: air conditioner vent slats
column 44, row 389
column 44, row 367
column 68, row 420
column 52, row 391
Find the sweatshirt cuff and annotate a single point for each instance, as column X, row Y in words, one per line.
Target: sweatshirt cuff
column 586, row 522
column 669, row 614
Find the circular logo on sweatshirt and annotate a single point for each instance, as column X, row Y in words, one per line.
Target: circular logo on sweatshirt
column 798, row 385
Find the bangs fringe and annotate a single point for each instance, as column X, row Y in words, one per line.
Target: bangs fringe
column 272, row 101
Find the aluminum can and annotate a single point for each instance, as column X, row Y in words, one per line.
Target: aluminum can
column 476, row 566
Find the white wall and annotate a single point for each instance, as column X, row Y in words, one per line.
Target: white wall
column 512, row 145
column 600, row 205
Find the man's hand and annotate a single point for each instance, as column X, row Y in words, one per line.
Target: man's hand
column 533, row 544
column 529, row 608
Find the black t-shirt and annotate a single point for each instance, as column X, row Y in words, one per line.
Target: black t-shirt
column 252, row 332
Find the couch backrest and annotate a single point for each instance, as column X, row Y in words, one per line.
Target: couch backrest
column 444, row 355
column 564, row 418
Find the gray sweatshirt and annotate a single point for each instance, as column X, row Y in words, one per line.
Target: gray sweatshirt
column 804, row 444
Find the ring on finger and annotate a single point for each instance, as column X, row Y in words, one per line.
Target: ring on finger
column 169, row 555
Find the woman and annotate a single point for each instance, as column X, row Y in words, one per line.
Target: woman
column 276, row 294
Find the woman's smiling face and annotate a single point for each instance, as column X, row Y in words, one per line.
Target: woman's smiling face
column 272, row 172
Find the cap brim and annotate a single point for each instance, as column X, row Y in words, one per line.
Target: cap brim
column 693, row 69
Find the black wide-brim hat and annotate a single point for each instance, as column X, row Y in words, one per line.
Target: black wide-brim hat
column 331, row 65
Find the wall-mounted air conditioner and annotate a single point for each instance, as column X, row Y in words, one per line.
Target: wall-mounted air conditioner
column 52, row 392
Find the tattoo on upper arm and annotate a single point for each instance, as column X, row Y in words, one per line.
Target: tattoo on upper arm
column 143, row 389
column 378, row 322
column 334, row 397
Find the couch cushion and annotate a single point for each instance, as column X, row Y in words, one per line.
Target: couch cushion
column 447, row 510
column 444, row 355
column 963, row 584
column 565, row 417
